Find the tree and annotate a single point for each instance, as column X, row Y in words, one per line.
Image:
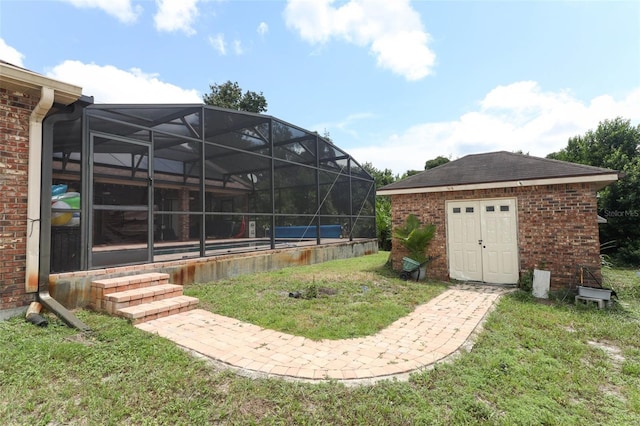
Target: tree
column 229, row 95
column 382, row 177
column 615, row 144
column 410, row 173
column 435, row 162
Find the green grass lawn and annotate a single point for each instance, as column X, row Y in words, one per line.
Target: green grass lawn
column 338, row 299
column 534, row 363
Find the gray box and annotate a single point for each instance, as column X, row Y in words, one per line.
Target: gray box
column 596, row 293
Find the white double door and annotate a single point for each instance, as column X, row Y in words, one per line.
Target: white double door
column 482, row 239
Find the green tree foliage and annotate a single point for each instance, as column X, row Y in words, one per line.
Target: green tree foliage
column 383, row 222
column 410, row 173
column 229, row 95
column 383, row 205
column 435, row 162
column 382, row 177
column 615, row 144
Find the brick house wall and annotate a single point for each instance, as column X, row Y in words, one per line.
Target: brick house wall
column 15, row 110
column 557, row 227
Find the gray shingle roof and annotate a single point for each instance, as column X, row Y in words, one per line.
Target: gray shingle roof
column 501, row 166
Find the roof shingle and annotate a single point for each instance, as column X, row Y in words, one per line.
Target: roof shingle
column 501, row 166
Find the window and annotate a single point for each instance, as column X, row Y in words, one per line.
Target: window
column 456, row 209
column 469, row 210
column 504, row 208
column 491, row 208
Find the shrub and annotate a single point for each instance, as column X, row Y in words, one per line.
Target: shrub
column 525, row 282
column 415, row 238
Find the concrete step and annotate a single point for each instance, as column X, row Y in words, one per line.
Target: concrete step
column 102, row 287
column 157, row 309
column 123, row 299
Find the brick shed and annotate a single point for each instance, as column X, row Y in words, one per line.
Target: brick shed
column 500, row 214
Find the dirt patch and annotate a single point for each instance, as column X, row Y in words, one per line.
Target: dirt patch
column 326, row 291
column 613, row 352
column 82, row 338
column 610, row 390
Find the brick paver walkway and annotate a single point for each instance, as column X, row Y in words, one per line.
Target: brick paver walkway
column 431, row 333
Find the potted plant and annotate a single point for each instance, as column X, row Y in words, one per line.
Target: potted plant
column 416, row 239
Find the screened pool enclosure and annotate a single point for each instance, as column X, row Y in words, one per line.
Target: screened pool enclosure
column 135, row 184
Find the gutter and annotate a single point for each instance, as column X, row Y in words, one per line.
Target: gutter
column 39, row 214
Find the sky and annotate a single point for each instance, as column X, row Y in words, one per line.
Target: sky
column 392, row 82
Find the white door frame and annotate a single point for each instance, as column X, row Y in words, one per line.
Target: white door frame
column 482, row 240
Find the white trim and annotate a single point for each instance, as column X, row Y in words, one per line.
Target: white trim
column 16, row 78
column 604, row 179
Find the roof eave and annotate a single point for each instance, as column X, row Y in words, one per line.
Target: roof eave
column 600, row 180
column 16, row 78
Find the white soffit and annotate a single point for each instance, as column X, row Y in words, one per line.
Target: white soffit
column 16, row 78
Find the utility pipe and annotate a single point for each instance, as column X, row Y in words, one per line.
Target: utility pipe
column 36, row 190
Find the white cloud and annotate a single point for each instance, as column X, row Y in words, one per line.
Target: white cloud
column 123, row 10
column 237, row 47
column 11, row 55
column 346, row 125
column 263, row 29
column 108, row 84
column 218, row 44
column 392, row 30
column 518, row 116
column 176, row 15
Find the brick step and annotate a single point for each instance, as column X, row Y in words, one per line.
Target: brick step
column 131, row 281
column 157, row 309
column 101, row 288
column 123, row 299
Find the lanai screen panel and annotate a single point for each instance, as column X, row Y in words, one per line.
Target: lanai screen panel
column 177, row 181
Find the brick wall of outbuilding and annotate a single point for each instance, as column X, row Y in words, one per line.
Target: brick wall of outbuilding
column 557, row 227
column 15, row 109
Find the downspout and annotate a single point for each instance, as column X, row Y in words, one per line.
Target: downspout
column 36, row 278
column 33, row 190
